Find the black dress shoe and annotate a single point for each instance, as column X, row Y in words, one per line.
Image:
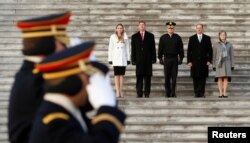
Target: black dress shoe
column 139, row 96
column 200, row 96
column 167, row 96
column 196, row 95
column 224, row 96
column 174, row 95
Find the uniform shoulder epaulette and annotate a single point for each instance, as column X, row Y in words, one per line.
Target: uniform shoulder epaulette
column 109, row 118
column 53, row 116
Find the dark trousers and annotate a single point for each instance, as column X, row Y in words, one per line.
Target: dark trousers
column 139, row 85
column 199, row 86
column 170, row 72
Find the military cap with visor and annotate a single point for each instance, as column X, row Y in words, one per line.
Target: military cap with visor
column 39, row 33
column 170, row 25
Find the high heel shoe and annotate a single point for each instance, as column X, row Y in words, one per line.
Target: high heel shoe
column 117, row 95
column 220, row 96
column 121, row 95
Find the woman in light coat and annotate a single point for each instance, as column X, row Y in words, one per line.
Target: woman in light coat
column 223, row 63
column 119, row 56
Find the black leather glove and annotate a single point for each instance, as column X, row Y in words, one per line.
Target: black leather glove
column 133, row 63
column 214, row 69
column 128, row 62
column 161, row 61
column 110, row 62
column 232, row 68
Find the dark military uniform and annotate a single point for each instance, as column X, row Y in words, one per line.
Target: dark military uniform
column 58, row 123
column 27, row 90
column 171, row 49
column 26, row 96
column 54, row 124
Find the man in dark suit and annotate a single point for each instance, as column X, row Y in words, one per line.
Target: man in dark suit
column 170, row 54
column 42, row 36
column 70, row 82
column 143, row 55
column 199, row 57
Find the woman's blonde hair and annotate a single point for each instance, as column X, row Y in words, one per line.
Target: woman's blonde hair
column 120, row 37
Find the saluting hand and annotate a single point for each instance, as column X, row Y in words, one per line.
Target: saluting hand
column 100, row 91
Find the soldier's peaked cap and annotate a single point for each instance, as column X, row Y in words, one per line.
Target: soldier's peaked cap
column 170, row 24
column 69, row 62
column 50, row 25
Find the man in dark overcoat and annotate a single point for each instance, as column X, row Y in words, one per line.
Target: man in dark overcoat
column 199, row 57
column 143, row 55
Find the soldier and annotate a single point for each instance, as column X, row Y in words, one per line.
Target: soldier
column 70, row 82
column 42, row 36
column 170, row 54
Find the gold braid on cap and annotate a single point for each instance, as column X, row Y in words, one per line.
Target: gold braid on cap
column 81, row 67
column 44, row 31
column 170, row 26
column 88, row 69
column 59, row 31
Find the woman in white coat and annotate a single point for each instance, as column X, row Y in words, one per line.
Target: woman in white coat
column 223, row 63
column 119, row 56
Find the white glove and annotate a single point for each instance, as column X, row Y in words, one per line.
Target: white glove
column 100, row 91
column 75, row 41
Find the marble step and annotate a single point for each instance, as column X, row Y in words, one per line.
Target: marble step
column 207, row 102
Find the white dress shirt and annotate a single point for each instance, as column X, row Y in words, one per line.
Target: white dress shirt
column 199, row 37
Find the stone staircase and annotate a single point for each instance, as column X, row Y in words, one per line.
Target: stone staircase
column 180, row 120
column 156, row 119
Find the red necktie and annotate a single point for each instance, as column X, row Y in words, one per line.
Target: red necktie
column 142, row 37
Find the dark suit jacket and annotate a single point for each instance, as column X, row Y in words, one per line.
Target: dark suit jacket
column 143, row 53
column 66, row 129
column 25, row 98
column 199, row 54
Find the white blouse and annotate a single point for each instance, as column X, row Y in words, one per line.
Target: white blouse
column 119, row 52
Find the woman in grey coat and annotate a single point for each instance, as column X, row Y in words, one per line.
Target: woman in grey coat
column 223, row 63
